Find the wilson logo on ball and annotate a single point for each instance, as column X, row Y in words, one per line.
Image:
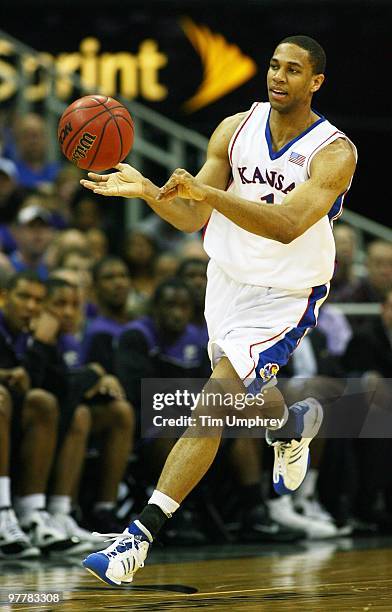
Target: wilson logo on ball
column 67, row 129
column 82, row 148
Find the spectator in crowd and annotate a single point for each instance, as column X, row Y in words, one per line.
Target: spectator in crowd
column 139, row 253
column 52, row 340
column 344, row 281
column 86, row 211
column 111, row 285
column 368, row 358
column 98, row 244
column 64, row 241
column 111, row 416
column 31, row 152
column 33, row 235
column 378, row 282
column 34, row 419
column 165, row 266
column 67, row 183
column 370, row 349
column 162, row 344
column 193, row 271
column 80, row 261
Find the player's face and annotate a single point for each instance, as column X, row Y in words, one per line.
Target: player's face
column 65, row 305
column 23, row 304
column 290, row 79
column 112, row 286
column 174, row 310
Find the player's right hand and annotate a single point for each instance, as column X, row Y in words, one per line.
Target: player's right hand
column 127, row 182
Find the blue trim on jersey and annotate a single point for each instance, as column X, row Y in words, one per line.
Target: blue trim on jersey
column 281, row 351
column 336, row 207
column 275, row 154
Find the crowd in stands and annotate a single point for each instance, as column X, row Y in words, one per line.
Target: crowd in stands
column 89, row 308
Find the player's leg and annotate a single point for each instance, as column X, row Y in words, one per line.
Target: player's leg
column 66, row 472
column 186, row 464
column 39, row 437
column 115, row 421
column 14, row 544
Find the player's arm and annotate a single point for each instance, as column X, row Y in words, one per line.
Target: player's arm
column 185, row 214
column 330, row 174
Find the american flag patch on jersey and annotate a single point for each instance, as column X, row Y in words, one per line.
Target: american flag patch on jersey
column 296, row 158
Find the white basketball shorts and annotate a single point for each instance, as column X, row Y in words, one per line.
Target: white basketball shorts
column 257, row 328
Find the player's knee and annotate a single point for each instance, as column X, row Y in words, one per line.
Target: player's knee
column 81, row 422
column 5, row 405
column 42, row 406
column 122, row 414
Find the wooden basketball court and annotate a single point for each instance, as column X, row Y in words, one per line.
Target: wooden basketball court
column 330, row 576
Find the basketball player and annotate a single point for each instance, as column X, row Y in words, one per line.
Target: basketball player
column 273, row 182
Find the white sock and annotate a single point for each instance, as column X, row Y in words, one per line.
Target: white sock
column 165, row 503
column 29, row 503
column 284, row 416
column 5, row 492
column 59, row 504
column 104, row 505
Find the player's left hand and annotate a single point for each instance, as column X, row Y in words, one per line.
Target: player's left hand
column 183, row 185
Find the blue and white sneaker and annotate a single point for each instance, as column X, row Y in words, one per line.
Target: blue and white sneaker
column 117, row 564
column 292, row 456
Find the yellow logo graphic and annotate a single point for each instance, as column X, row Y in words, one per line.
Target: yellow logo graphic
column 225, row 66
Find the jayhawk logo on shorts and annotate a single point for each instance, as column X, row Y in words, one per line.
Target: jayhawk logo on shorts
column 269, row 370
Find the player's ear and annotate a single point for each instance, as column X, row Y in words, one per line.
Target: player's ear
column 318, row 80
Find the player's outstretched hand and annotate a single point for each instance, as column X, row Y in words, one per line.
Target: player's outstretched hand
column 183, row 185
column 127, row 182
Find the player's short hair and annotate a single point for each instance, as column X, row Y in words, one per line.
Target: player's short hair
column 31, row 277
column 317, row 56
column 54, row 283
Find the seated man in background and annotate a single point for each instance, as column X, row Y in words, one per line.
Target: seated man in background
column 33, row 413
column 375, row 286
column 111, row 282
column 93, row 398
column 368, row 358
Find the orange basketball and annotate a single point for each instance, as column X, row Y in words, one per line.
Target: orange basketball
column 95, row 132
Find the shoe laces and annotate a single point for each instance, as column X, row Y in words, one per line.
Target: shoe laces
column 283, row 449
column 123, row 542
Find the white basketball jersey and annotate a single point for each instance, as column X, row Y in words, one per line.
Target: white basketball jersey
column 260, row 174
